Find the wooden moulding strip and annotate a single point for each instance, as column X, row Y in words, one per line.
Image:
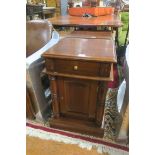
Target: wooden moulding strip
column 80, row 76
column 106, row 59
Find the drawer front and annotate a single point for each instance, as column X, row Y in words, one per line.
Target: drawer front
column 77, row 67
column 85, row 68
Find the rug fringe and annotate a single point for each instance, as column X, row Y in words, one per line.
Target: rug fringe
column 69, row 140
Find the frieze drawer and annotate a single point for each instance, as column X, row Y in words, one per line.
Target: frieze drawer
column 84, row 68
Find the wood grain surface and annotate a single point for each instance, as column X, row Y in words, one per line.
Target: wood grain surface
column 107, row 20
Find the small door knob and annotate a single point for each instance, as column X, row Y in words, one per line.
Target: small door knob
column 75, row 67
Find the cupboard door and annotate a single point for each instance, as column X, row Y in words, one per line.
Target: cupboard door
column 77, row 97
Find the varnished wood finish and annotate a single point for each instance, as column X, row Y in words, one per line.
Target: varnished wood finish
column 76, row 67
column 102, row 90
column 77, row 97
column 75, row 125
column 107, row 20
column 55, row 103
column 94, row 70
column 82, row 77
column 101, row 50
column 80, row 69
column 91, row 34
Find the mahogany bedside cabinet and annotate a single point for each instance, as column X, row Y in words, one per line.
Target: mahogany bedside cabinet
column 79, row 69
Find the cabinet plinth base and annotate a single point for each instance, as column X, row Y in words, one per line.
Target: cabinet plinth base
column 79, row 126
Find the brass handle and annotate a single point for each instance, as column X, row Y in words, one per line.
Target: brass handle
column 75, row 67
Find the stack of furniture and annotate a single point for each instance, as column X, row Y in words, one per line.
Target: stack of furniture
column 79, row 68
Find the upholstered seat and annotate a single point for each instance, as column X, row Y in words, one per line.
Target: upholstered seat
column 38, row 33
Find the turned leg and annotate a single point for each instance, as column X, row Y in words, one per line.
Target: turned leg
column 55, row 103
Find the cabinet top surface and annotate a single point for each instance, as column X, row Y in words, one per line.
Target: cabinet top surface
column 83, row 48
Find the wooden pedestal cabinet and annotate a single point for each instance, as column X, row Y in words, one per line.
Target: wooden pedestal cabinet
column 79, row 70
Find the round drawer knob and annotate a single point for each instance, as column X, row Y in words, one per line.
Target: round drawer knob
column 75, row 67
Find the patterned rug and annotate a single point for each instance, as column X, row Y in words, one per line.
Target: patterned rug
column 112, row 118
column 83, row 141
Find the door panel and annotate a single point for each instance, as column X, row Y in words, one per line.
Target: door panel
column 77, row 97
